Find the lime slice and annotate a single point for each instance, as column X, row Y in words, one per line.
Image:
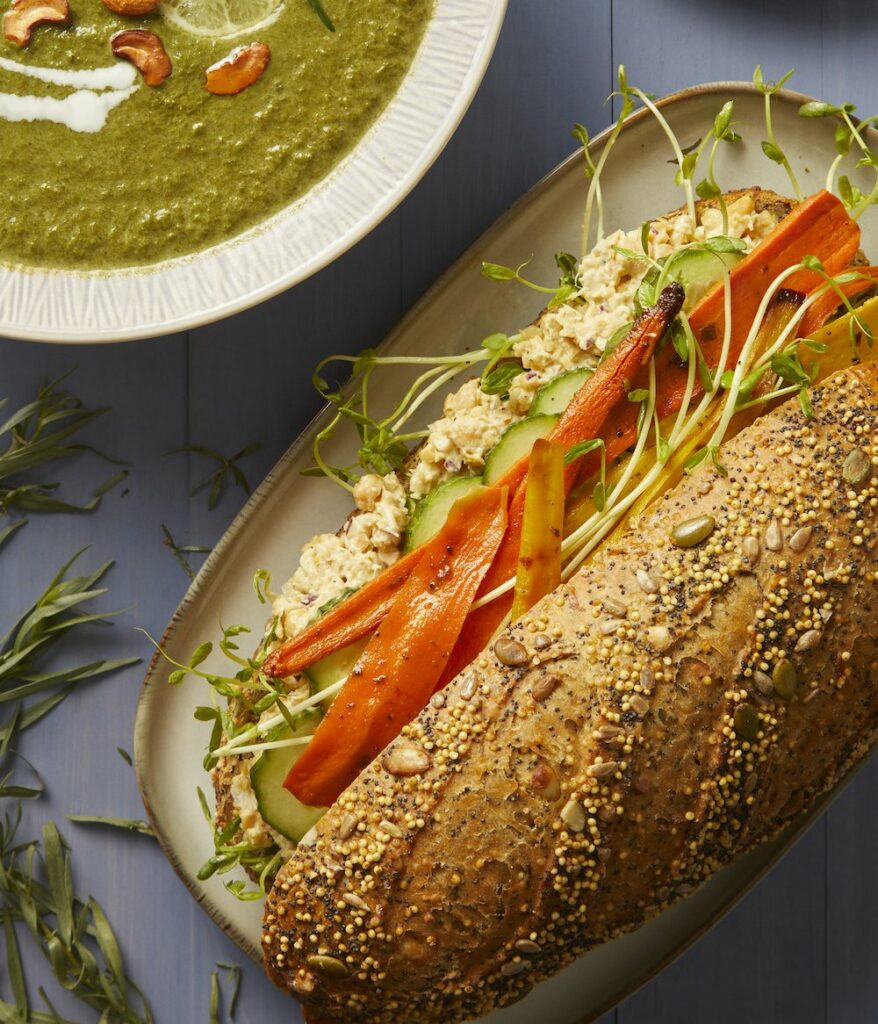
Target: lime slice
column 221, row 19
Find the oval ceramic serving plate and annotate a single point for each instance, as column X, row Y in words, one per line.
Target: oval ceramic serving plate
column 73, row 306
column 287, row 509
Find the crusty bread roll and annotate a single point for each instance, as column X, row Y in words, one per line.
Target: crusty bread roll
column 664, row 711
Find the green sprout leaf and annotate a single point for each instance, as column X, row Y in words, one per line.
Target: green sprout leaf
column 497, row 272
column 772, row 151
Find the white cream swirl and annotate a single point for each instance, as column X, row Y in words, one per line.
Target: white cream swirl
column 97, row 92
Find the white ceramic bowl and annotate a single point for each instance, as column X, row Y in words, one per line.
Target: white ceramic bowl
column 68, row 306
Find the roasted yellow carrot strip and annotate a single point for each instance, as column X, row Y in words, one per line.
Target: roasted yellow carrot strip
column 539, row 558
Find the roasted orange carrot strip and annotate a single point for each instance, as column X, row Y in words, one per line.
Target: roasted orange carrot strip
column 402, row 662
column 353, row 619
column 819, row 226
column 591, row 408
column 539, row 557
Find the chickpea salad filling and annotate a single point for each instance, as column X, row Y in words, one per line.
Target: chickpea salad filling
column 656, row 345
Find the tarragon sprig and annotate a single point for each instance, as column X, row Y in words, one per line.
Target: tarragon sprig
column 181, row 552
column 73, row 934
column 36, row 435
column 27, row 644
column 227, row 470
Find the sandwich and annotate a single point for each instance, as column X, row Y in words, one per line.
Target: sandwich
column 605, row 625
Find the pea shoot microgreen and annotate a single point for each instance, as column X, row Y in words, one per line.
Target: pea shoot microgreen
column 770, row 146
column 231, row 852
column 708, row 187
column 227, row 470
column 383, row 441
column 568, row 284
column 594, row 170
column 847, row 132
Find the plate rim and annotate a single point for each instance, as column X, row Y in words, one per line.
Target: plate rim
column 494, row 17
column 786, row 839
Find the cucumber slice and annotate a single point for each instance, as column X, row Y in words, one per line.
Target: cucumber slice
column 432, row 510
column 516, row 442
column 334, row 667
column 278, row 807
column 554, row 396
column 699, row 269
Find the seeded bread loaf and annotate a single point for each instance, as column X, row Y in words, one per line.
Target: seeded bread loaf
column 664, row 711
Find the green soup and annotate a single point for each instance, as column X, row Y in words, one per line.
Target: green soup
column 175, row 169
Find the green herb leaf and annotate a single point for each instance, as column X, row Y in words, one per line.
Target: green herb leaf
column 497, row 380
column 333, row 602
column 496, row 343
column 128, row 824
column 319, row 10
column 8, row 531
column 14, row 969
column 181, row 551
column 723, row 119
column 36, row 634
column 582, row 448
column 706, row 189
column 695, row 460
column 638, row 395
column 227, row 470
column 126, row 757
column 817, row 108
column 200, row 654
column 772, row 151
column 680, row 341
column 497, row 272
column 234, row 975
column 38, row 434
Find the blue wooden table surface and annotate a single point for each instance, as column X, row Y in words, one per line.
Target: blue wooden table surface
column 803, row 947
